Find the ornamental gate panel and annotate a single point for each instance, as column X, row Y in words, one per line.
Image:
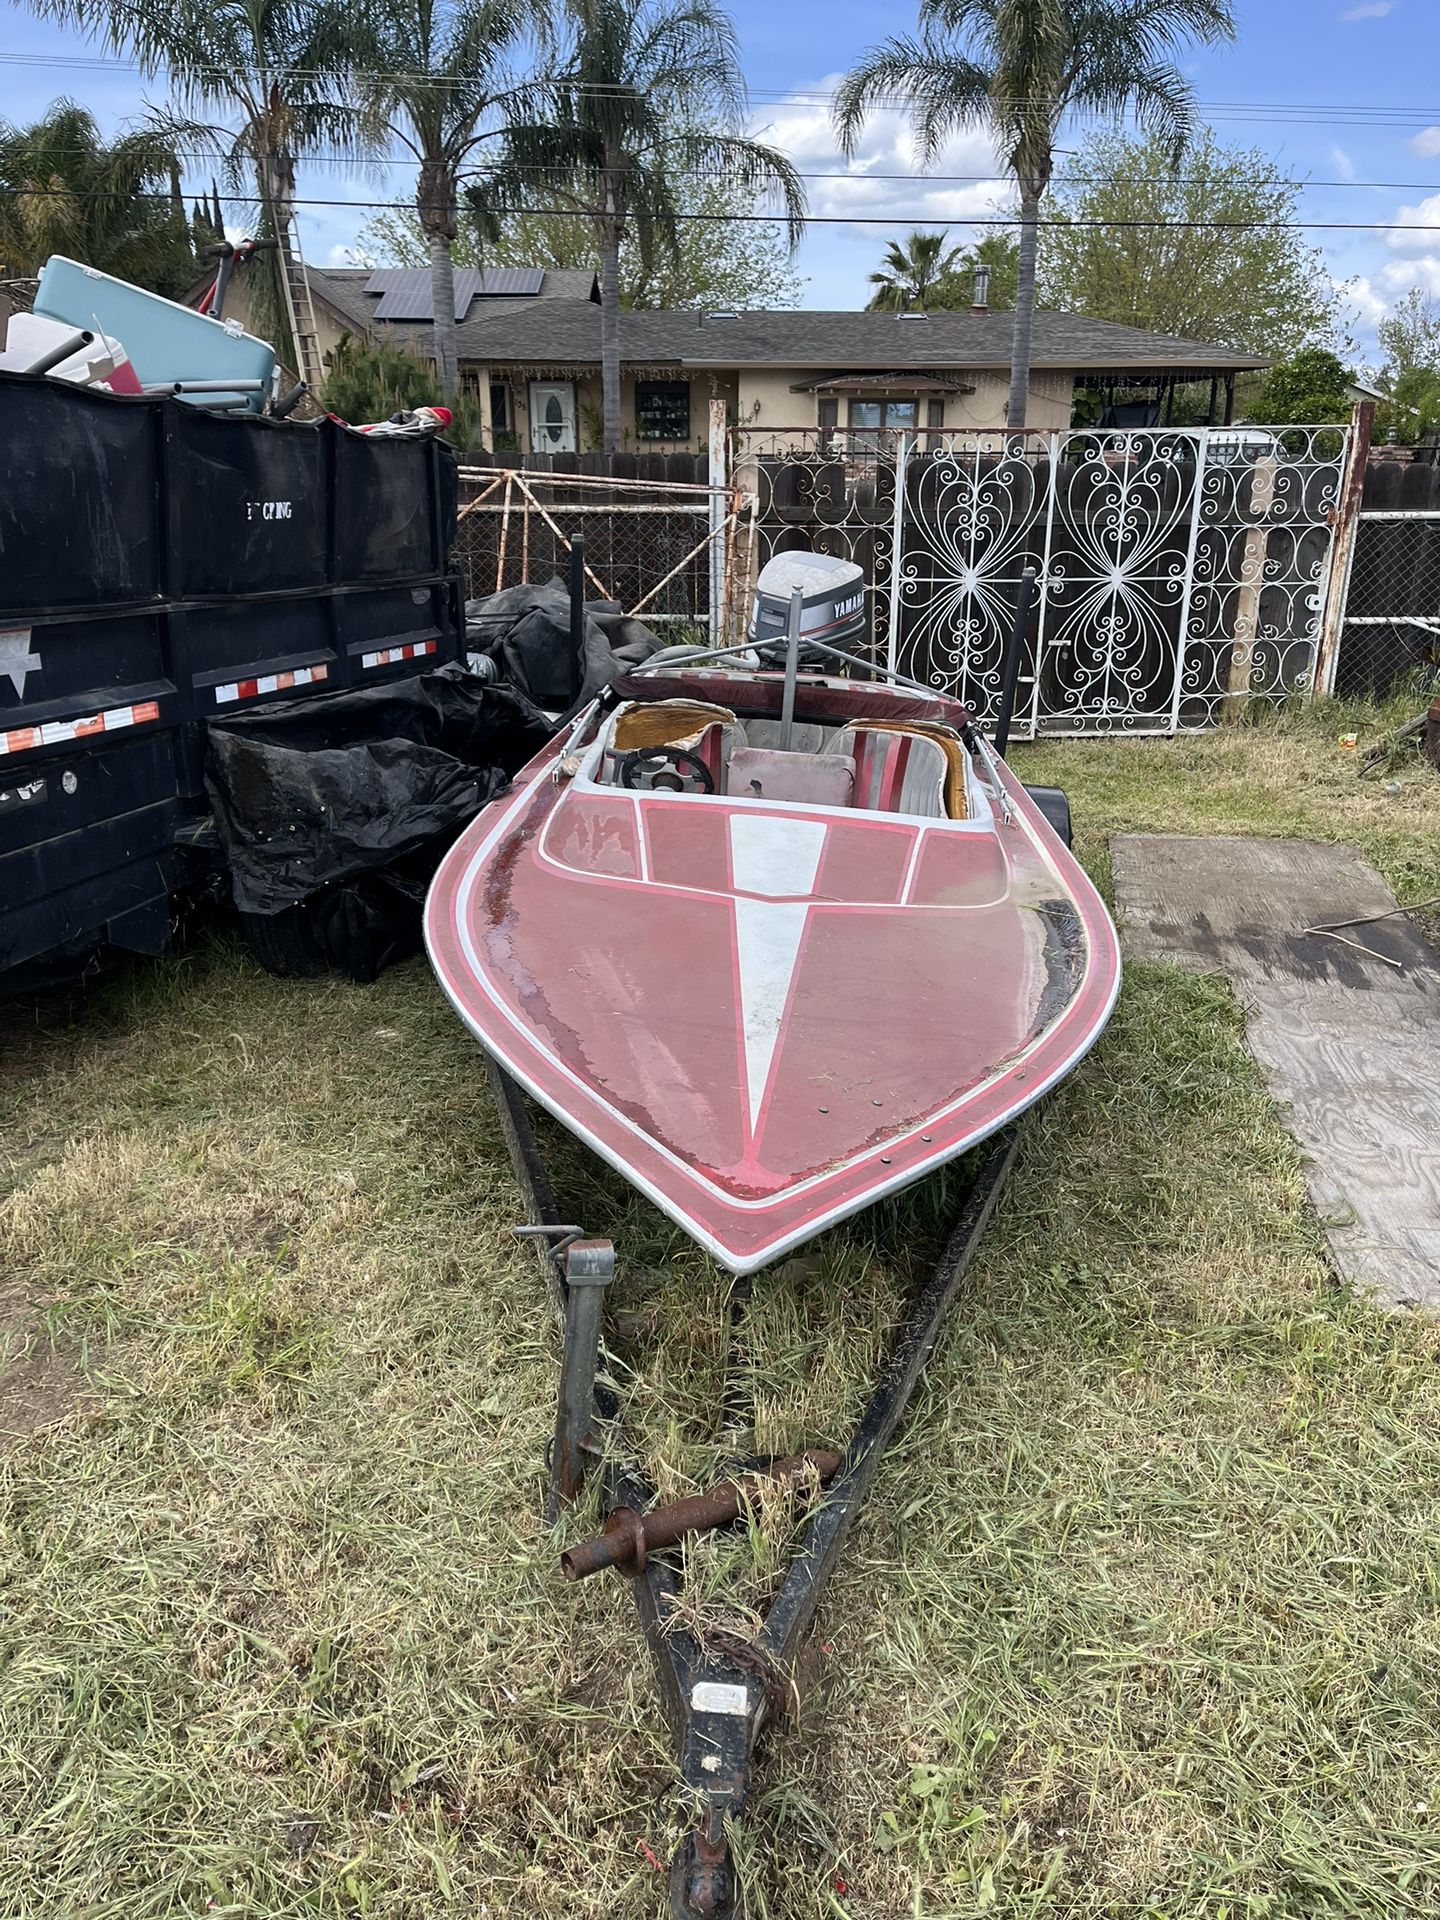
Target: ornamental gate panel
column 1182, row 572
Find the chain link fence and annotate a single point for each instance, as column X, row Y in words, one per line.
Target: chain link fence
column 1391, row 633
column 659, row 548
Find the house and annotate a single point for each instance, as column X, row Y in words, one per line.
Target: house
column 529, row 350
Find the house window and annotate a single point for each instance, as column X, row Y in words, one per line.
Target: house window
column 883, row 416
column 500, row 416
column 662, row 409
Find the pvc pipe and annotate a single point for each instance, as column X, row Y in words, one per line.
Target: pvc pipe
column 207, row 386
column 52, row 356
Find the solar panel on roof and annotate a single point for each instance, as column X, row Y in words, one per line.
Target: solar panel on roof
column 405, row 291
column 502, row 283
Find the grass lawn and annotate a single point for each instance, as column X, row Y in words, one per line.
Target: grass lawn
column 1144, row 1618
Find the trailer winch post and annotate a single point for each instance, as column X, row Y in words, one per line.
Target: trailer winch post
column 1010, row 678
column 589, row 1269
column 792, row 666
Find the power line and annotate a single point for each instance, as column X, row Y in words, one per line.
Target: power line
column 1346, row 113
column 998, row 177
column 897, row 217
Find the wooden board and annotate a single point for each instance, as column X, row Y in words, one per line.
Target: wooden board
column 1346, row 1042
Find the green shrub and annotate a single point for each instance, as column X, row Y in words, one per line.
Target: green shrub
column 369, row 380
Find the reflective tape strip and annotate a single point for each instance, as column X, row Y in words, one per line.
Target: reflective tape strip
column 269, row 683
column 56, row 732
column 412, row 650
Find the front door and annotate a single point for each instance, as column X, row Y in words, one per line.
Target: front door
column 552, row 416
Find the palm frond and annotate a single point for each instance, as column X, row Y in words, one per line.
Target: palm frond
column 941, row 92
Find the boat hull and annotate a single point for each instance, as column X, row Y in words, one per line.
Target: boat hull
column 769, row 1017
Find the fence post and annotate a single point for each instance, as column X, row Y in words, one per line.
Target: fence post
column 897, row 540
column 1342, row 549
column 1247, row 600
column 719, row 514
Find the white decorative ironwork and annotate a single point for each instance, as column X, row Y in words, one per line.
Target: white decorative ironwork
column 1182, row 570
column 820, row 488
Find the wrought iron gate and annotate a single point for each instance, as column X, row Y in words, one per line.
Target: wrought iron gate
column 1183, row 572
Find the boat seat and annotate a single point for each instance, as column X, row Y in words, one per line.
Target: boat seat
column 710, row 732
column 902, row 767
column 804, row 779
column 806, row 736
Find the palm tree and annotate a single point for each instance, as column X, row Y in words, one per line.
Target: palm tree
column 911, row 273
column 114, row 205
column 267, row 65
column 1018, row 67
column 429, row 76
column 646, row 90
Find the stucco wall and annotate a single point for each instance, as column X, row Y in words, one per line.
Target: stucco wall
column 589, row 411
column 768, row 407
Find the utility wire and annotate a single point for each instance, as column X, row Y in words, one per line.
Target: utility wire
column 1342, row 114
column 895, row 218
column 998, row 176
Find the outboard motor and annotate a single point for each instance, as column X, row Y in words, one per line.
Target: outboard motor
column 832, row 611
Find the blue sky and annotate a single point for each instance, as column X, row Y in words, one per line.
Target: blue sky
column 1342, row 91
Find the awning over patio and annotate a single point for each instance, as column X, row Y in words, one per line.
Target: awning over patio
column 908, row 381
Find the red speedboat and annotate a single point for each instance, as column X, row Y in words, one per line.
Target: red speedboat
column 772, row 967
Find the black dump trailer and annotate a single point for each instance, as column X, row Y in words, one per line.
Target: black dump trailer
column 163, row 568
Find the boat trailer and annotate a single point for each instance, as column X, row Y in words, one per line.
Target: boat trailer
column 719, row 1693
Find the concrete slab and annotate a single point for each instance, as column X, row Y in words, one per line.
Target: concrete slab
column 1346, row 1042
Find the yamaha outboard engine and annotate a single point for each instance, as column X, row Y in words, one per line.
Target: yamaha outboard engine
column 832, row 610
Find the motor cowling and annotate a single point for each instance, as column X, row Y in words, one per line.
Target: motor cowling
column 832, row 609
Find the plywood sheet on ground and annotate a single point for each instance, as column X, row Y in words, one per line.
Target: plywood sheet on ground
column 1346, row 1042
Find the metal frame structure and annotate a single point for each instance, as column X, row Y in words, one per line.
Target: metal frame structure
column 718, row 1696
column 556, row 507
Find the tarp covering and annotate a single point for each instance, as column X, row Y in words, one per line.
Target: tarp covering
column 525, row 630
column 313, row 799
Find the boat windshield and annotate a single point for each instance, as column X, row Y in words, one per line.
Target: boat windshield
column 877, row 765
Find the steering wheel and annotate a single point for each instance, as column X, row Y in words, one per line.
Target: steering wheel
column 669, row 770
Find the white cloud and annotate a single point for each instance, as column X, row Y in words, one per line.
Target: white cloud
column 1370, row 306
column 861, row 185
column 1425, row 215
column 1370, row 10
column 1342, row 163
column 1399, row 277
column 1426, row 143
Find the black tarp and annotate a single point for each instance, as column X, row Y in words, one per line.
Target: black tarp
column 525, row 630
column 314, row 799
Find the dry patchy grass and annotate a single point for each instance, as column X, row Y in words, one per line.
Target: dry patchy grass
column 1142, row 1620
